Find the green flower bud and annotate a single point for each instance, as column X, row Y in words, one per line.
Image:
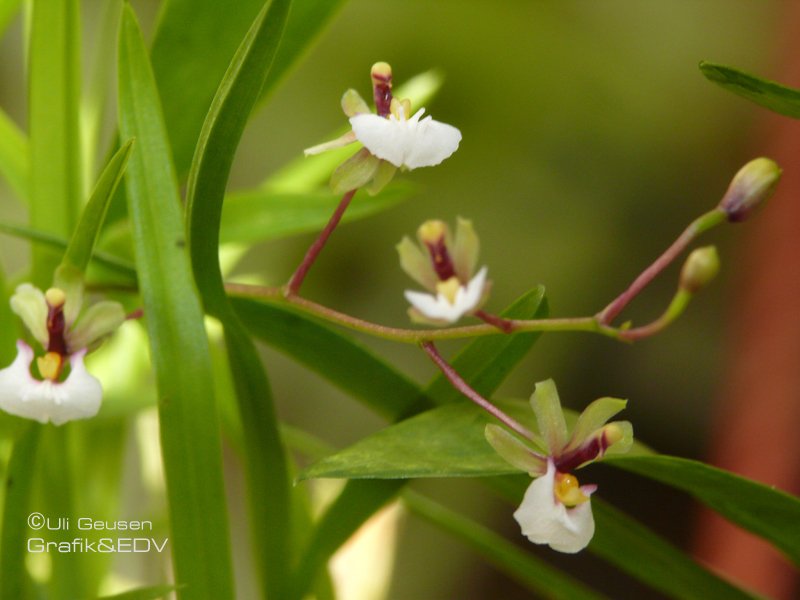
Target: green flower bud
column 750, row 187
column 699, row 269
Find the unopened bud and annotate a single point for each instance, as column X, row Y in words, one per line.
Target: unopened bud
column 699, row 269
column 750, row 187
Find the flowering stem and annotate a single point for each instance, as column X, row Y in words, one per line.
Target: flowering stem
column 462, row 386
column 679, row 303
column 699, row 225
column 417, row 336
column 503, row 324
column 293, row 287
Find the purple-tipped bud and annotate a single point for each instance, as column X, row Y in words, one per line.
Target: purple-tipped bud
column 382, row 87
column 700, row 268
column 750, row 187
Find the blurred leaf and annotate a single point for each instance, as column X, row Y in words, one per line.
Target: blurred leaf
column 533, row 573
column 190, row 437
column 18, row 485
column 769, row 94
column 193, row 46
column 146, row 593
column 56, row 190
column 306, row 174
column 8, row 10
column 333, row 355
column 260, row 215
column 486, row 361
column 81, row 245
column 769, row 513
column 266, row 463
column 7, row 318
column 14, row 165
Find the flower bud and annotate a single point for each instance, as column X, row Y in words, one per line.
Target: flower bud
column 750, row 187
column 699, row 269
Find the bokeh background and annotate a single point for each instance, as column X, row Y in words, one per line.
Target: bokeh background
column 590, row 140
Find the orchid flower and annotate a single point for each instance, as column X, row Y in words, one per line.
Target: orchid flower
column 393, row 137
column 66, row 332
column 444, row 265
column 556, row 509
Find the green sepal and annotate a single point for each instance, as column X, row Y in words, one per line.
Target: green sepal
column 466, row 248
column 353, row 104
column 383, row 177
column 100, row 320
column 69, row 279
column 29, row 304
column 513, row 450
column 355, row 172
column 416, row 264
column 549, row 416
column 593, row 418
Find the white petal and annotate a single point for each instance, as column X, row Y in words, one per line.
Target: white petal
column 409, row 143
column 545, row 520
column 439, row 308
column 78, row 397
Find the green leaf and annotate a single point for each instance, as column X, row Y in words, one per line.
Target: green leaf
column 146, row 593
column 109, row 261
column 55, row 147
column 335, row 356
column 193, row 46
column 8, row 10
column 81, row 245
column 265, row 457
column 14, row 164
column 534, row 574
column 8, row 331
column 18, row 485
column 447, row 441
column 769, row 513
column 190, row 436
column 260, row 215
column 486, row 362
column 769, row 94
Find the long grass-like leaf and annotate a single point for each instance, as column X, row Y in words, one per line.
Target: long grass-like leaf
column 190, row 436
column 14, row 163
column 55, row 145
column 265, row 456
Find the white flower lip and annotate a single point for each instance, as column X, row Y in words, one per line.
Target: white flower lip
column 545, row 520
column 409, row 143
column 439, row 308
column 78, row 397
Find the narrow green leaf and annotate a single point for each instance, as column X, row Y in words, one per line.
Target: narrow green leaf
column 114, row 263
column 193, row 46
column 190, row 436
column 769, row 94
column 8, row 10
column 486, row 362
column 769, row 513
column 266, row 461
column 335, row 356
column 260, row 215
column 18, row 485
column 8, row 331
column 531, row 572
column 14, row 163
column 147, row 593
column 81, row 245
column 55, row 145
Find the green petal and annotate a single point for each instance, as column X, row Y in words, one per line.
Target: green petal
column 28, row 302
column 98, row 321
column 513, row 450
column 355, row 172
column 593, row 418
column 70, row 281
column 383, row 176
column 549, row 416
column 353, row 104
column 465, row 249
column 416, row 264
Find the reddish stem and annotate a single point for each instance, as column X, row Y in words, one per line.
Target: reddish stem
column 462, row 386
column 502, row 324
column 293, row 287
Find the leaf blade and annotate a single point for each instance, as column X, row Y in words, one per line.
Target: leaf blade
column 769, row 94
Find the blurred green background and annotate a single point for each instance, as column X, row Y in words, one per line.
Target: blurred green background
column 590, row 140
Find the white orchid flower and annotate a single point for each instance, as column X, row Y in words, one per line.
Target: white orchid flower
column 56, row 320
column 556, row 510
column 444, row 266
column 393, row 138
